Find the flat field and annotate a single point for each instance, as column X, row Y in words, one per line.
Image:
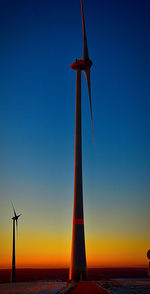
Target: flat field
column 126, row 286
column 88, row 287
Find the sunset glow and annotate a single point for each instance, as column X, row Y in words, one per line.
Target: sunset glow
column 40, row 40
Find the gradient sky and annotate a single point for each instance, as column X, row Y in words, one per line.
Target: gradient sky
column 39, row 40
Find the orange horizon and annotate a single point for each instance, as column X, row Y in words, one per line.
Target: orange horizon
column 91, row 267
column 39, row 250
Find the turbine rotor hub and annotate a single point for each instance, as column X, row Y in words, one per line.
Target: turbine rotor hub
column 81, row 64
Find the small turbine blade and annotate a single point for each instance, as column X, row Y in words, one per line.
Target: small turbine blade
column 17, row 226
column 13, row 209
column 85, row 47
column 87, row 76
column 17, row 223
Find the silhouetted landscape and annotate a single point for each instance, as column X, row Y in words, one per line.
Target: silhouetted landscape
column 23, row 275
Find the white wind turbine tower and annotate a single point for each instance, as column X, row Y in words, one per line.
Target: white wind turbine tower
column 78, row 268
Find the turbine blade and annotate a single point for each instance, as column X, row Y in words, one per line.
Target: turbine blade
column 87, row 76
column 17, row 226
column 85, row 47
column 17, row 223
column 13, row 209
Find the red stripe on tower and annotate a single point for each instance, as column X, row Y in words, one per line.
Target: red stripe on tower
column 78, row 221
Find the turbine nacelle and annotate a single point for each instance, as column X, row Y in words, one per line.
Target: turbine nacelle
column 16, row 217
column 81, row 64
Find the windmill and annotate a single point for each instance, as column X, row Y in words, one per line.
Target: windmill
column 15, row 222
column 78, row 268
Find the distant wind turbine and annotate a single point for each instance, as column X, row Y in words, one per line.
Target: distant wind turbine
column 78, row 268
column 15, row 219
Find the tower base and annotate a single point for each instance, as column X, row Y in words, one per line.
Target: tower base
column 78, row 274
column 13, row 275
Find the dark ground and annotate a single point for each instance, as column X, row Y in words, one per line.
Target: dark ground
column 62, row 274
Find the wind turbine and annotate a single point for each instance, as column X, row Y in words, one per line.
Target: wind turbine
column 78, row 268
column 15, row 220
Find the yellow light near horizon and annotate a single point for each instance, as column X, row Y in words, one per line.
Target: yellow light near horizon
column 117, row 252
column 53, row 251
column 38, row 249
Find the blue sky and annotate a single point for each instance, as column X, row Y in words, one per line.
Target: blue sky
column 39, row 41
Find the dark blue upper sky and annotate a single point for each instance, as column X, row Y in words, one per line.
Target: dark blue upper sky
column 39, row 40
